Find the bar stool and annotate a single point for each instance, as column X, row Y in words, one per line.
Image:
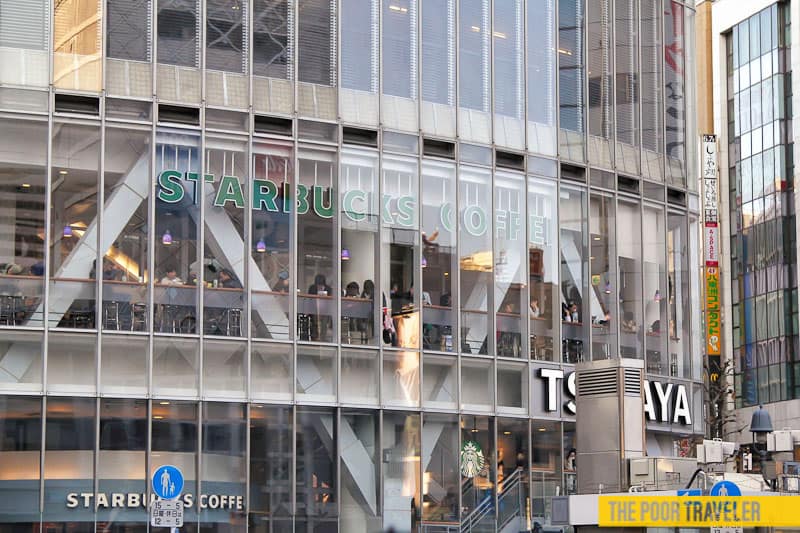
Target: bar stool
column 111, row 315
column 234, row 322
column 304, row 327
column 138, row 316
column 7, row 310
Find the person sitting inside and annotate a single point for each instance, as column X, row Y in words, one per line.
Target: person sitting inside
column 320, row 286
column 351, row 290
column 282, row 285
column 628, row 324
column 228, row 280
column 171, row 278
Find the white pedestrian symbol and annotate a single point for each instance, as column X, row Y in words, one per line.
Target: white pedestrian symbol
column 166, row 487
column 723, row 490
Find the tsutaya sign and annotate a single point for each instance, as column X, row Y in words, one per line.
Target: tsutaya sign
column 660, row 399
column 356, row 204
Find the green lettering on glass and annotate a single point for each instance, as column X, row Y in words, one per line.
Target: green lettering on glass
column 446, row 216
column 264, row 194
column 287, row 198
column 170, row 189
column 475, row 220
column 405, row 209
column 536, row 229
column 386, row 210
column 349, row 207
column 302, row 199
column 322, row 210
column 195, row 177
column 230, row 190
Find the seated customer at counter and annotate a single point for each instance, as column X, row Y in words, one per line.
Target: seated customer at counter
column 171, row 278
column 227, row 280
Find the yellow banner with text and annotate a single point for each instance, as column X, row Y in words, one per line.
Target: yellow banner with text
column 699, row 511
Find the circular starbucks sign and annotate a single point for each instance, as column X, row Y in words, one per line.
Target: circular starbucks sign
column 472, row 460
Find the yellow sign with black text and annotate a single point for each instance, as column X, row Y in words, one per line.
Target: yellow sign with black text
column 700, row 511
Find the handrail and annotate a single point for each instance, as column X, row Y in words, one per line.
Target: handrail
column 510, row 483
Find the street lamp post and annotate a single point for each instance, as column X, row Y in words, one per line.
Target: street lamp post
column 760, row 427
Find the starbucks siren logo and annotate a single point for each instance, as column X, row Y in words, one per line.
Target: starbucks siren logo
column 472, row 460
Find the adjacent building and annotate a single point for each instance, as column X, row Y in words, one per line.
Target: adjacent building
column 753, row 102
column 336, row 260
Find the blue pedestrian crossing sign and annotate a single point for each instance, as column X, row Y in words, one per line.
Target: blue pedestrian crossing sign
column 725, row 488
column 167, row 482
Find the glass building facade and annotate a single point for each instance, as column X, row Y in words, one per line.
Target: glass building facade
column 335, row 260
column 763, row 242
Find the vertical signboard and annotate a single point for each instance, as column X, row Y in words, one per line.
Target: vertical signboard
column 711, row 256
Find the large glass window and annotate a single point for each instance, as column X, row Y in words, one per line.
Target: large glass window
column 513, row 474
column 270, row 463
column 73, row 227
column 601, row 88
column 627, row 85
column 316, row 41
column 175, row 442
column 476, row 262
column 679, row 297
column 316, row 469
column 675, row 90
column 440, row 468
column 543, row 267
column 23, row 34
column 21, row 360
column 71, row 363
column 316, row 374
column 570, row 79
column 69, row 462
column 179, row 32
column 541, row 59
column 128, row 71
column 655, row 273
column 271, row 37
column 546, row 468
column 474, row 77
column 317, row 282
column 20, row 457
column 510, row 296
column 477, row 461
column 508, row 78
column 400, row 463
column 574, row 272
column 178, row 191
column 226, row 44
column 124, row 233
column 271, row 371
column 438, row 67
column 121, row 461
column 603, row 293
column 76, row 44
column 123, row 364
column 359, row 46
column 359, row 256
column 360, row 463
column 629, row 245
column 271, row 241
column 400, row 268
column 224, row 250
column 438, row 255
column 400, row 48
column 652, row 90
column 224, row 467
column 224, row 369
column 23, row 176
column 176, row 367
column 360, row 378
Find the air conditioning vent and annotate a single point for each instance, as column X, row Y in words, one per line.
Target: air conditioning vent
column 82, row 105
column 361, row 136
column 633, row 381
column 597, row 382
column 179, row 114
column 437, row 148
column 274, row 125
column 509, row 160
column 676, row 197
column 627, row 184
